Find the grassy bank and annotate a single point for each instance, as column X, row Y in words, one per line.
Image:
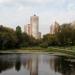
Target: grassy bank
column 65, row 50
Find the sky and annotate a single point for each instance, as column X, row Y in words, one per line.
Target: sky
column 18, row 12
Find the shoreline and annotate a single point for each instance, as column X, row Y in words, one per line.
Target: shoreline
column 39, row 50
column 59, row 53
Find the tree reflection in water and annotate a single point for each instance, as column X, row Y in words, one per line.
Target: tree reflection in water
column 61, row 64
column 18, row 63
column 5, row 64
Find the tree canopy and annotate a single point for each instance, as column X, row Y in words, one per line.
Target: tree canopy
column 10, row 38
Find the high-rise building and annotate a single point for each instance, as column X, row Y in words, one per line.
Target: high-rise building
column 32, row 29
column 39, row 35
column 28, row 29
column 34, row 21
column 51, row 29
column 54, row 28
column 73, row 24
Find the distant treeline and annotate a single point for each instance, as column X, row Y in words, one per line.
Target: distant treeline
column 10, row 39
column 64, row 37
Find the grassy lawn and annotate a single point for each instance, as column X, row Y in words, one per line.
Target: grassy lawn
column 66, row 50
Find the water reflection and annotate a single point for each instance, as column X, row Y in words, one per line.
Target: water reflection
column 36, row 64
column 18, row 63
column 65, row 65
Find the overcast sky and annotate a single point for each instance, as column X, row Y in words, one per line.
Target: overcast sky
column 18, row 12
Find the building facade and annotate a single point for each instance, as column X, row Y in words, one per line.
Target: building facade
column 73, row 24
column 54, row 28
column 27, row 29
column 32, row 29
column 34, row 21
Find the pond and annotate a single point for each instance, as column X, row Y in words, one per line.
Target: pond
column 36, row 64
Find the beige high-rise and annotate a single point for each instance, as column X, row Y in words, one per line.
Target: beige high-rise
column 32, row 29
column 54, row 28
column 27, row 29
column 34, row 21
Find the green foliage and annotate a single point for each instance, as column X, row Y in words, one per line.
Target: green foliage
column 8, row 38
column 44, row 45
column 17, row 39
column 50, row 39
column 24, row 40
column 65, row 37
column 19, row 36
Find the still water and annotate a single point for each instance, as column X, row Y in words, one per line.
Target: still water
column 36, row 64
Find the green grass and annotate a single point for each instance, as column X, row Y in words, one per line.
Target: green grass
column 66, row 50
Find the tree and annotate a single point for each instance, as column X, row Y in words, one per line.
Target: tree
column 64, row 37
column 7, row 38
column 19, row 36
column 25, row 40
column 49, row 39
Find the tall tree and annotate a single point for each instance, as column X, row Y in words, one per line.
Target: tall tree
column 7, row 38
column 19, row 35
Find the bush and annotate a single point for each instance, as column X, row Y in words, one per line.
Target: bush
column 44, row 45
